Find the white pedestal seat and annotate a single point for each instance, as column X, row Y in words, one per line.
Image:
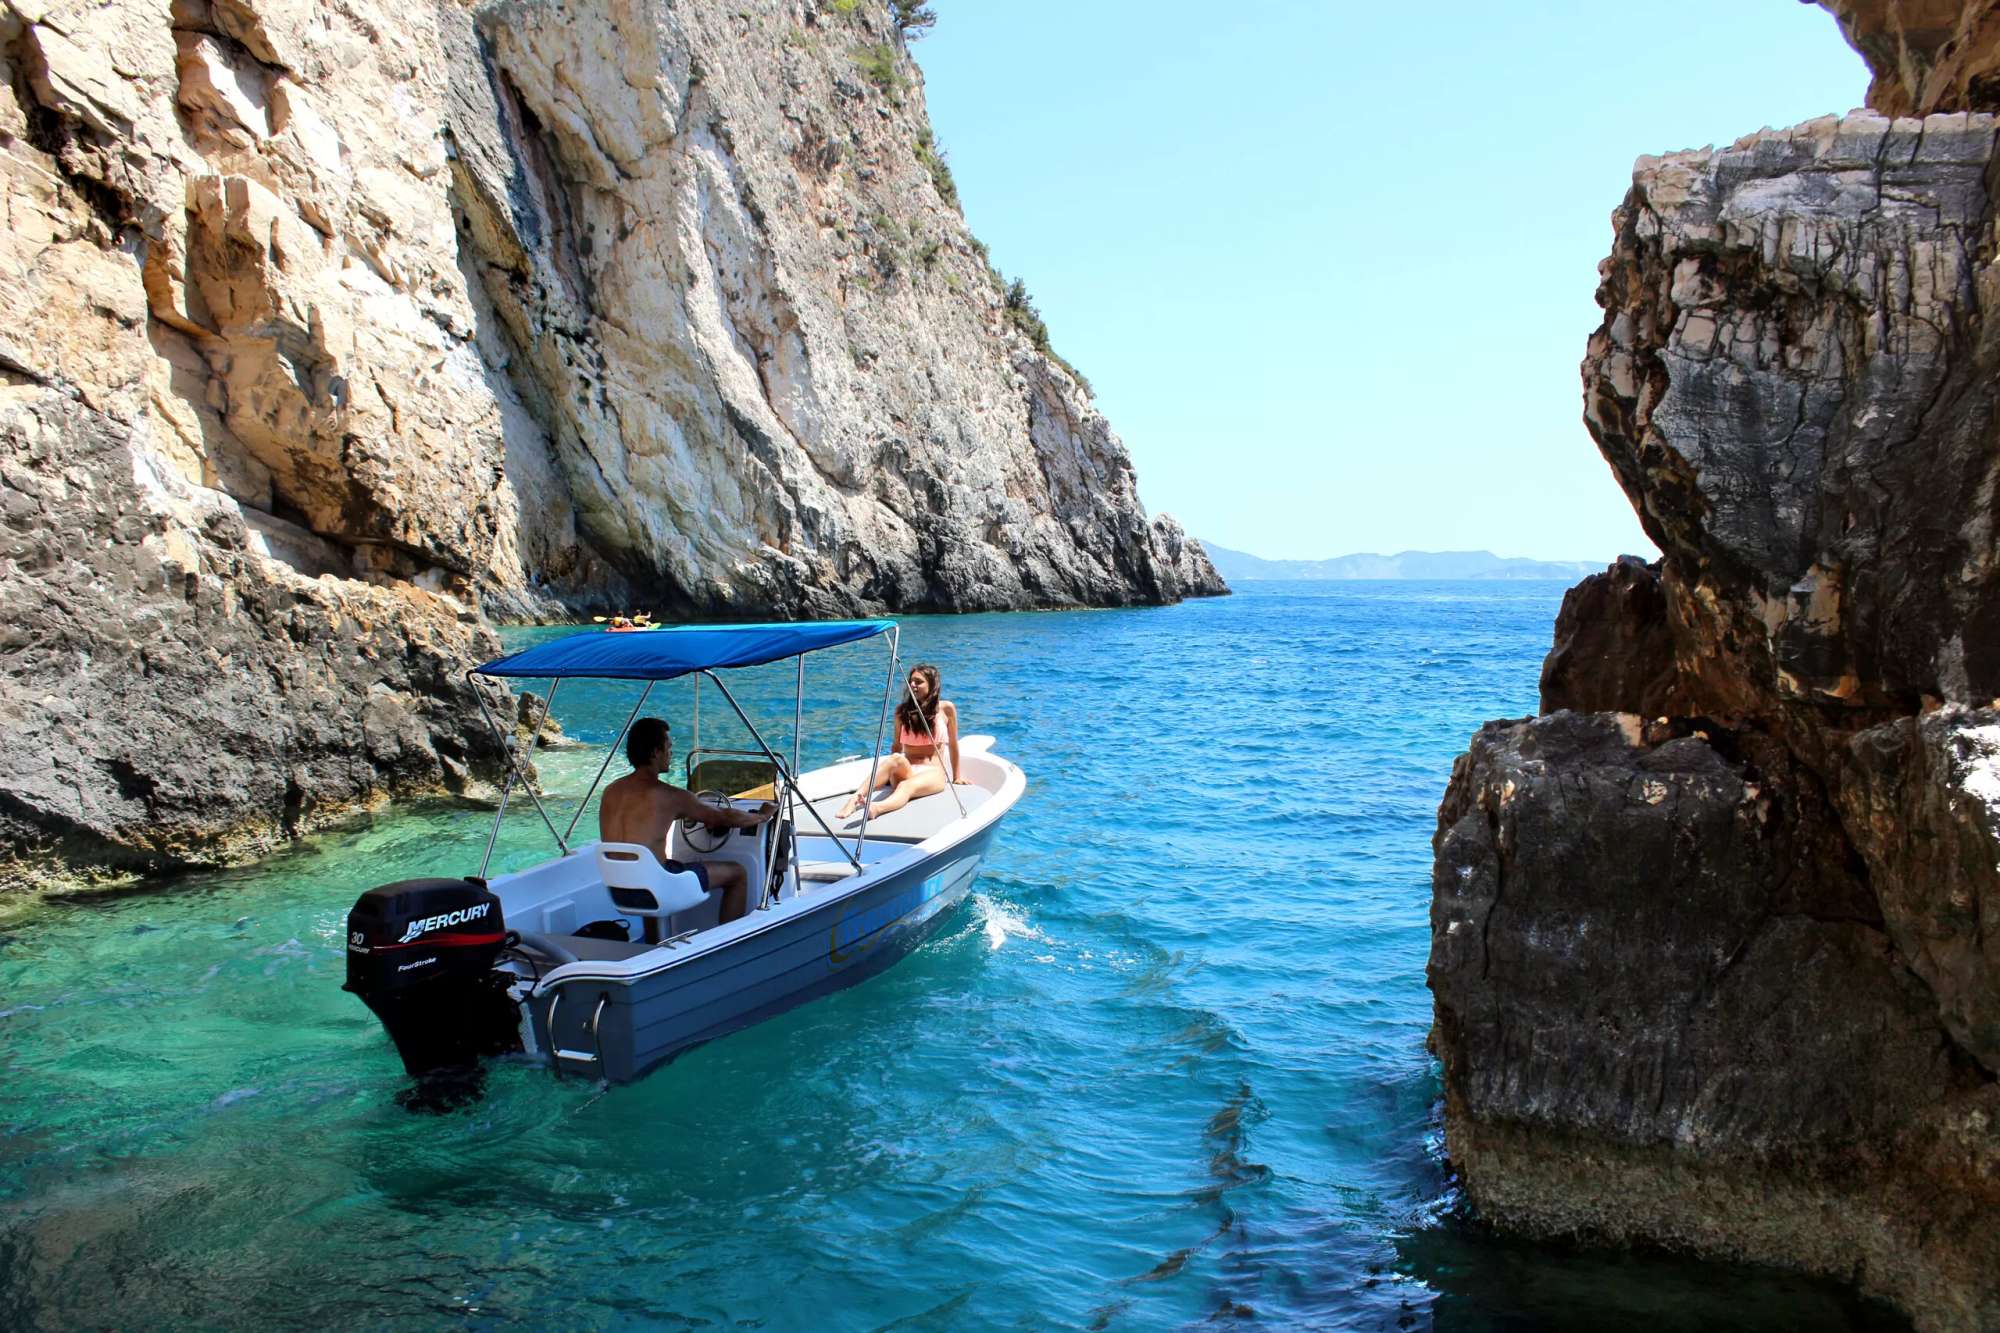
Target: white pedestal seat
column 641, row 887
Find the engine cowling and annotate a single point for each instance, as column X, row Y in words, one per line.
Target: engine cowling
column 421, row 955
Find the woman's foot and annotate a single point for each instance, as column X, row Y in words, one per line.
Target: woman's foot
column 848, row 807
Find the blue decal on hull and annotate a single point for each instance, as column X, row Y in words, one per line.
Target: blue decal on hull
column 860, row 931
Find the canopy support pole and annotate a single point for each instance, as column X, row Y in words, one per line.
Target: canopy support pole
column 630, row 717
column 791, row 783
column 507, row 748
column 493, row 834
column 798, row 730
column 875, row 761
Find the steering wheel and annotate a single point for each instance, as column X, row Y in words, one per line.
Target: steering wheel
column 700, row 836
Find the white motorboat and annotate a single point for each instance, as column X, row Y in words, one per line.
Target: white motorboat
column 601, row 962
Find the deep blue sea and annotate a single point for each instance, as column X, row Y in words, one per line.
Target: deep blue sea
column 1165, row 1068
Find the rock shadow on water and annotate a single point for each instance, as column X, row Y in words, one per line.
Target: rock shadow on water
column 1483, row 1282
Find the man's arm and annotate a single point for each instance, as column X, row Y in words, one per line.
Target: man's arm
column 734, row 818
column 683, row 805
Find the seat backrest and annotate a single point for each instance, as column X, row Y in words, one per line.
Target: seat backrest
column 639, row 884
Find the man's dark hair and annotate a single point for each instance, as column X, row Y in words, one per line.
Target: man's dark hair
column 648, row 734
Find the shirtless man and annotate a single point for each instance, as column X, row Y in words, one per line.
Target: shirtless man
column 642, row 808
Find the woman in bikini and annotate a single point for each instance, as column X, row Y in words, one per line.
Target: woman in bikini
column 926, row 726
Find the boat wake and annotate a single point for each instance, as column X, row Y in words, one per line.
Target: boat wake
column 1000, row 923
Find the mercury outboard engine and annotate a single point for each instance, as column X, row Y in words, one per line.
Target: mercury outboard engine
column 421, row 953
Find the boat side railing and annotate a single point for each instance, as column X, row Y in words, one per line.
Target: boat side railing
column 875, row 760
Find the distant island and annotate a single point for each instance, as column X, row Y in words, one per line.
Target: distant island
column 1240, row 567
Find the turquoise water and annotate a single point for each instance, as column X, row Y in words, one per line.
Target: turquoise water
column 1167, row 1066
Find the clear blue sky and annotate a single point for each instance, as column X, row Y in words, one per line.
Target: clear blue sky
column 1330, row 266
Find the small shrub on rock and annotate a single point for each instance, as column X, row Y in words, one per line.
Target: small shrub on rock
column 933, row 160
column 913, row 18
column 878, row 65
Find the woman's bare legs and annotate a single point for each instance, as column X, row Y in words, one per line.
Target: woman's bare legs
column 891, row 771
column 925, row 779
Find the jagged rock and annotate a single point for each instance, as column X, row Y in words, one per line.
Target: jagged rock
column 1614, row 649
column 1926, row 55
column 461, row 314
column 1795, row 384
column 776, row 368
column 1666, row 1012
column 1921, row 797
column 176, row 698
column 531, row 716
column 1183, row 561
column 1792, row 384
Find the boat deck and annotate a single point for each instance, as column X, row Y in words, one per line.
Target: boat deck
column 925, row 817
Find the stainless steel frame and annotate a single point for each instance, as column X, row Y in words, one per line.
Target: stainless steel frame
column 875, row 761
column 790, row 796
column 609, row 753
column 514, row 769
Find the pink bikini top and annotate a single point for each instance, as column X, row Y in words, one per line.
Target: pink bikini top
column 907, row 738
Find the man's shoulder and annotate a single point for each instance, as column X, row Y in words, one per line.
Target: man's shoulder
column 638, row 788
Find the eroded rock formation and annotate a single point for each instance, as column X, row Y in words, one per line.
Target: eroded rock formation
column 1926, row 55
column 338, row 331
column 1714, row 949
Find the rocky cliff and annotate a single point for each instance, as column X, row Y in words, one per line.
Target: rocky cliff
column 1926, row 55
column 339, row 331
column 1716, row 939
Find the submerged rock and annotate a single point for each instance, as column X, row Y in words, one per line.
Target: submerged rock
column 339, row 331
column 1711, row 960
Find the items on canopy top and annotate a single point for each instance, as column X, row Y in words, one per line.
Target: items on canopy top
column 665, row 653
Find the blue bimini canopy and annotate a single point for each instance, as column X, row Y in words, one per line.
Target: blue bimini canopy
column 663, row 654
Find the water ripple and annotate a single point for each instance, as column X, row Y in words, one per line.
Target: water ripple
column 1166, row 1068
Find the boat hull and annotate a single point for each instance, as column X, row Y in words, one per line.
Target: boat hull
column 619, row 1027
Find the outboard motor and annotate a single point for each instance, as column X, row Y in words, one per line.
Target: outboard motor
column 421, row 953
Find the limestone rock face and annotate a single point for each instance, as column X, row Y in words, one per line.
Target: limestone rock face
column 176, row 695
column 1711, row 960
column 1921, row 796
column 247, row 473
column 1794, row 386
column 1613, row 646
column 423, row 316
column 1667, row 1012
column 1926, row 55
column 727, row 263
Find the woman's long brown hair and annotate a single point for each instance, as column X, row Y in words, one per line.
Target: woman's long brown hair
column 908, row 718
